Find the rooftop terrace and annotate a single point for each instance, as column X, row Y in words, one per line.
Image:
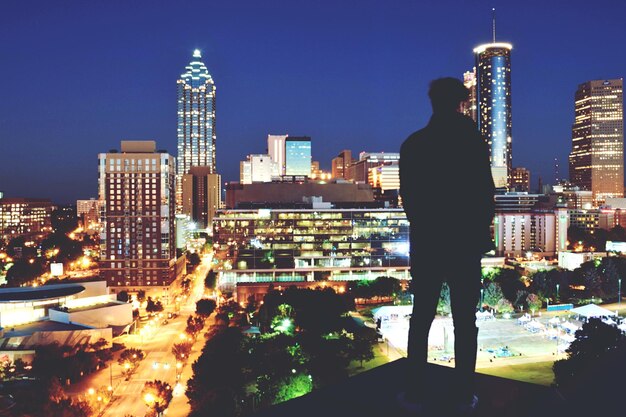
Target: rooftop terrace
column 373, row 393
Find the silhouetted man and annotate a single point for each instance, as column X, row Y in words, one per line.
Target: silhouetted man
column 447, row 192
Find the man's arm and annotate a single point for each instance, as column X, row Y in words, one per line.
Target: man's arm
column 485, row 186
column 408, row 164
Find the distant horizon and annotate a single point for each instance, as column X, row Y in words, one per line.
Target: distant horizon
column 350, row 75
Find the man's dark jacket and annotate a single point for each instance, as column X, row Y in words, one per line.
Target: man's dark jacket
column 446, row 187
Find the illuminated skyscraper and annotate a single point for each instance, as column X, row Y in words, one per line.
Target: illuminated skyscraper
column 493, row 96
column 469, row 108
column 596, row 162
column 196, row 121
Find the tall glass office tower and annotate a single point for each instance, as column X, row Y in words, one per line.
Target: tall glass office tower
column 493, row 95
column 196, row 121
column 596, row 162
column 298, row 155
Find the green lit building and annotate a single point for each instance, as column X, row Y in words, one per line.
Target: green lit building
column 307, row 245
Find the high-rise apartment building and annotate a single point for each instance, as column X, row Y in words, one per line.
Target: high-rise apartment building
column 493, row 98
column 596, row 162
column 196, row 121
column 520, row 179
column 298, row 155
column 19, row 216
column 340, row 165
column 202, row 195
column 257, row 168
column 137, row 237
column 276, row 150
column 470, row 107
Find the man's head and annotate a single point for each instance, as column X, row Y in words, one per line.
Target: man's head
column 446, row 94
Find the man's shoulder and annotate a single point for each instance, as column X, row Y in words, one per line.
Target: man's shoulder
column 414, row 138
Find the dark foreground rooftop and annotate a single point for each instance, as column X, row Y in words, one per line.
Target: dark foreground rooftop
column 373, row 393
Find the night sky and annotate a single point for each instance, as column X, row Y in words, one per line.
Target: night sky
column 76, row 77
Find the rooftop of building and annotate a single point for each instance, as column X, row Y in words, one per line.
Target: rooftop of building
column 41, row 326
column 91, row 307
column 23, row 200
column 373, row 393
column 8, row 295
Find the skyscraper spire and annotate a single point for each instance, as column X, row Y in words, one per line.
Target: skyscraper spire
column 493, row 23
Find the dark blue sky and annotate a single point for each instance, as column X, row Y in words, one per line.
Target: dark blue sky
column 76, row 77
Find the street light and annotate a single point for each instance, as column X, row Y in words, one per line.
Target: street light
column 619, row 291
column 557, row 291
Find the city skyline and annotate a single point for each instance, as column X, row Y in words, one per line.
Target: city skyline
column 285, row 73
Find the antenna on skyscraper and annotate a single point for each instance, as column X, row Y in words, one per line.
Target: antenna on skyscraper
column 493, row 23
column 556, row 171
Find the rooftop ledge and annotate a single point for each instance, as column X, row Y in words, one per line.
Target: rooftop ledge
column 372, row 393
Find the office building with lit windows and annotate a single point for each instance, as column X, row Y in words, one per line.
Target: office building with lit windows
column 340, row 165
column 596, row 162
column 493, row 98
column 21, row 216
column 306, row 245
column 196, row 121
column 137, row 238
column 258, row 168
column 520, row 179
column 470, row 107
column 360, row 170
column 298, row 155
column 202, row 196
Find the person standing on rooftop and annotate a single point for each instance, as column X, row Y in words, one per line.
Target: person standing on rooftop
column 445, row 171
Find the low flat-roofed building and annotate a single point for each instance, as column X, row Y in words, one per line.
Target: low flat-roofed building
column 298, row 245
column 238, row 194
column 86, row 304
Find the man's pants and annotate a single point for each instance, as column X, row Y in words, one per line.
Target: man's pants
column 463, row 276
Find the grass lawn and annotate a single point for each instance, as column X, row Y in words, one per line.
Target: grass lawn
column 536, row 373
column 379, row 359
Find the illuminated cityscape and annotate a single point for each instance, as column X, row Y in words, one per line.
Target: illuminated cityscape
column 154, row 279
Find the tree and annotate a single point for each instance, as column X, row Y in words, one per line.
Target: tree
column 492, row 295
column 534, row 302
column 362, row 345
column 193, row 259
column 123, row 296
column 210, row 279
column 23, row 272
column 129, row 359
column 157, row 396
column 219, row 374
column 194, row 325
column 510, row 282
column 596, row 345
column 205, row 307
column 181, row 351
column 153, row 307
column 67, row 407
column 443, row 306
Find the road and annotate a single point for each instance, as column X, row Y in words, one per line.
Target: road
column 157, row 345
